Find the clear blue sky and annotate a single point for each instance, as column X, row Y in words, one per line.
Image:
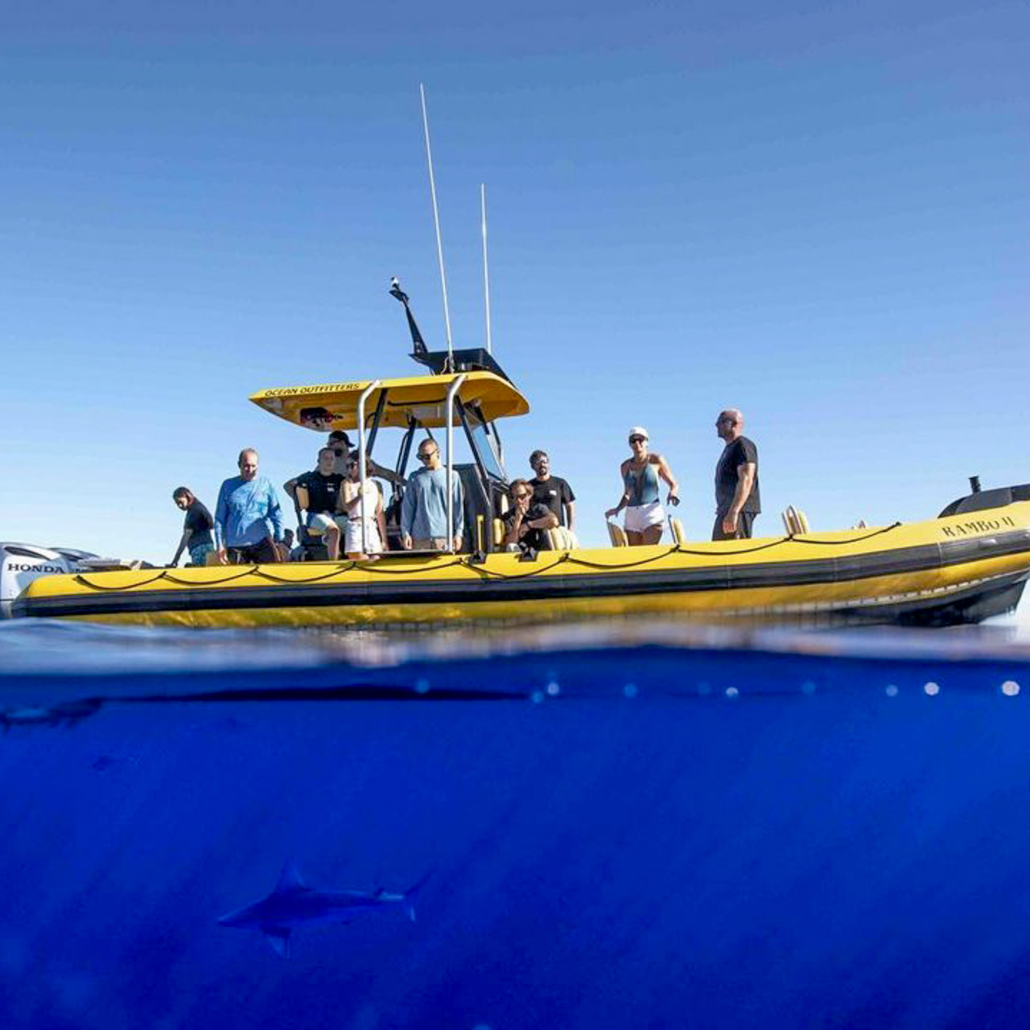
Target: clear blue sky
column 817, row 212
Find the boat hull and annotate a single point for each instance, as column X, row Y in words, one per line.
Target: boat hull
column 939, row 572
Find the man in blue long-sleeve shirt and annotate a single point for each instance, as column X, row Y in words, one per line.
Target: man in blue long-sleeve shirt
column 248, row 519
column 424, row 509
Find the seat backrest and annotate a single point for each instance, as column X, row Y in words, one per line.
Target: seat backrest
column 676, row 526
column 617, row 534
column 794, row 520
column 562, row 539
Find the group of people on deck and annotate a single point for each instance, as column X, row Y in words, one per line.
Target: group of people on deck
column 349, row 515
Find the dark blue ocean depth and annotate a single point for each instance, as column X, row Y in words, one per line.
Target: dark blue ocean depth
column 620, row 829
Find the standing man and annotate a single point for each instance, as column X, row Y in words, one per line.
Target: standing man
column 737, row 500
column 248, row 519
column 424, row 509
column 196, row 528
column 553, row 491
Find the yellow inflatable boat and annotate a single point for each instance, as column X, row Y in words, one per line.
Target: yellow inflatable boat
column 969, row 563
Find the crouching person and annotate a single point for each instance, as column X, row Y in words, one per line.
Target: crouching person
column 527, row 521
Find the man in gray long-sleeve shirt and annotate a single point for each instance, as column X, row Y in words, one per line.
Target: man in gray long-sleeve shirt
column 424, row 509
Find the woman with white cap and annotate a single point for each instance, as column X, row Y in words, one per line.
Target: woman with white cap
column 640, row 497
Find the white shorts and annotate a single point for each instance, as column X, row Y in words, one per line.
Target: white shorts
column 352, row 543
column 318, row 524
column 640, row 517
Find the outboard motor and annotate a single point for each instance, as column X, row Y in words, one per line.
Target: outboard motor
column 20, row 564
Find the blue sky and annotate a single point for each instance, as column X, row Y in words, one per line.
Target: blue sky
column 815, row 212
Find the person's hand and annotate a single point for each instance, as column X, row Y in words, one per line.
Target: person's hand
column 457, row 542
column 674, row 498
column 729, row 522
column 406, row 541
column 611, row 513
column 223, row 557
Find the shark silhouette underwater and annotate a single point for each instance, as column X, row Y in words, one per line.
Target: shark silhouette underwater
column 293, row 903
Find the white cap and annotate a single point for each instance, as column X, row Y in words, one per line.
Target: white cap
column 639, row 431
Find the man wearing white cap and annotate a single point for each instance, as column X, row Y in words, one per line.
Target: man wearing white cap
column 645, row 515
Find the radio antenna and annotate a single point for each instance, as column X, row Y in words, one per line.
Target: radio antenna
column 486, row 267
column 436, row 221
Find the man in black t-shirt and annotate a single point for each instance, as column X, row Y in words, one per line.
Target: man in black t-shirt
column 318, row 494
column 737, row 499
column 552, row 490
column 196, row 527
column 527, row 521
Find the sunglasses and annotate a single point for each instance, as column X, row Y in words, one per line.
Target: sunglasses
column 425, row 457
column 637, row 439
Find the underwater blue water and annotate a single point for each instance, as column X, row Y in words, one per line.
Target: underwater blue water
column 622, row 826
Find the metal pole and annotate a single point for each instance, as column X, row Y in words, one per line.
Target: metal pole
column 361, row 456
column 436, row 222
column 486, row 268
column 451, row 391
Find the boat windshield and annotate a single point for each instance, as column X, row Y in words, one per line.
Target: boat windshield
column 484, row 439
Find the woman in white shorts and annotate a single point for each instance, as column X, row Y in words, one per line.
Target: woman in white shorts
column 640, row 496
column 375, row 521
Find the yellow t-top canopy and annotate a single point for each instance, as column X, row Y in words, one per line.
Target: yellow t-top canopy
column 330, row 406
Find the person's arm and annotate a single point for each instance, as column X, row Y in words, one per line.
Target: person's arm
column 289, row 487
column 183, row 544
column 275, row 514
column 745, row 481
column 408, row 514
column 381, row 521
column 570, row 514
column 546, row 521
column 221, row 514
column 381, row 472
column 458, row 511
column 666, row 473
column 350, row 505
column 624, row 499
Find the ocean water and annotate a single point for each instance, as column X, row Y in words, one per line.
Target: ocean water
column 621, row 825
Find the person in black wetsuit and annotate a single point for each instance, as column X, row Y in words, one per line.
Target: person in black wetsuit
column 553, row 491
column 196, row 528
column 737, row 499
column 527, row 521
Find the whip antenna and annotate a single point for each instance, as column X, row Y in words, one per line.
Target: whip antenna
column 486, row 268
column 436, row 220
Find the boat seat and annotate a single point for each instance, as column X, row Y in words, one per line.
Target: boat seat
column 617, row 534
column 794, row 520
column 676, row 528
column 562, row 539
column 498, row 532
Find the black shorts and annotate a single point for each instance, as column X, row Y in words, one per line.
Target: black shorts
column 745, row 523
column 263, row 553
